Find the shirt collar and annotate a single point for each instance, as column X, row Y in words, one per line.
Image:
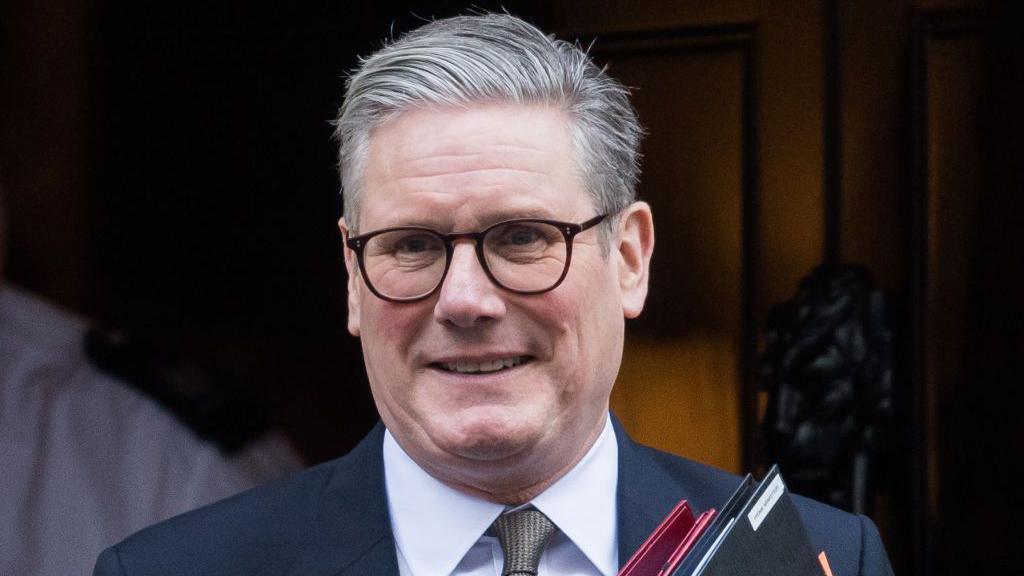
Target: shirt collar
column 582, row 503
column 435, row 525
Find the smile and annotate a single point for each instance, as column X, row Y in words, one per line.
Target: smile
column 465, row 367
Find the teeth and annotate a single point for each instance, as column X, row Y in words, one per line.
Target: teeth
column 492, row 366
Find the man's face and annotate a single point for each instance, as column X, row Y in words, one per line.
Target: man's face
column 457, row 170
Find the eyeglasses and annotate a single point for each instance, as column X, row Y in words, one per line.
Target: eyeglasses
column 525, row 256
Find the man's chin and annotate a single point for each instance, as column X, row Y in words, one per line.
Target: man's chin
column 488, row 440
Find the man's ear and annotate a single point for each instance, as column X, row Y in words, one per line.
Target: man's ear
column 633, row 249
column 353, row 284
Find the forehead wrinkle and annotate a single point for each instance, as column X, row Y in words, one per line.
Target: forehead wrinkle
column 518, row 158
column 470, row 146
column 477, row 177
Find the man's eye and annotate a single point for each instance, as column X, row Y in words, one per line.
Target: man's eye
column 405, row 245
column 415, row 244
column 521, row 236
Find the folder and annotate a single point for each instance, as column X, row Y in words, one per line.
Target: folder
column 758, row 532
column 669, row 543
column 699, row 526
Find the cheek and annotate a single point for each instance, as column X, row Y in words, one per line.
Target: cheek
column 583, row 322
column 388, row 331
column 558, row 314
column 591, row 316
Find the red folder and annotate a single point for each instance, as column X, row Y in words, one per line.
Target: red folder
column 684, row 547
column 669, row 543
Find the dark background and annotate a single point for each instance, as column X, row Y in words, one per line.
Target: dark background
column 168, row 170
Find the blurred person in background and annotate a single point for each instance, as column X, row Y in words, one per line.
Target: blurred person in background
column 88, row 458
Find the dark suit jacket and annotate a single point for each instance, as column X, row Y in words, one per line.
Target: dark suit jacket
column 333, row 519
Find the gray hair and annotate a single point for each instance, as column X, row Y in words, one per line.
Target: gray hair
column 493, row 58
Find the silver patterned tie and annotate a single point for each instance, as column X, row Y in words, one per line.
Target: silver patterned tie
column 524, row 534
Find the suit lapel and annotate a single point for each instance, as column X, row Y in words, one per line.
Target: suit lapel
column 645, row 493
column 351, row 533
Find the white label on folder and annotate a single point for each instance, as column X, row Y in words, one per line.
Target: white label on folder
column 767, row 501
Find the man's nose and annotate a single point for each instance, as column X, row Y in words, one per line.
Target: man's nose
column 467, row 296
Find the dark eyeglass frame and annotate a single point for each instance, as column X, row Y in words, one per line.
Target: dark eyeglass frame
column 568, row 230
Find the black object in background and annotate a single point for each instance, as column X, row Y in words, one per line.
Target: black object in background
column 827, row 368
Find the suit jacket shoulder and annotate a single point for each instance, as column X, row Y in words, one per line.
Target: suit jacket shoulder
column 330, row 519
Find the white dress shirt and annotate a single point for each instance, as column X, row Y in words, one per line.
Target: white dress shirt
column 439, row 531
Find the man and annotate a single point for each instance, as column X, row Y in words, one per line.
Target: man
column 88, row 459
column 494, row 249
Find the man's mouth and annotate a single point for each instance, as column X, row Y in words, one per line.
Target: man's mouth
column 496, row 365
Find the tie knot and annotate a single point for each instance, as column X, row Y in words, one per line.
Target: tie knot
column 524, row 534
